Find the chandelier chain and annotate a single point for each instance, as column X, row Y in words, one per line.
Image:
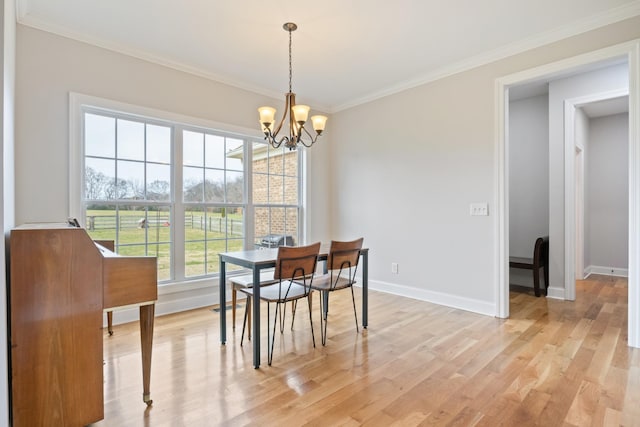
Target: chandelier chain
column 290, row 72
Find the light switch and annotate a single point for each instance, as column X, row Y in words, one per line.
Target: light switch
column 479, row 209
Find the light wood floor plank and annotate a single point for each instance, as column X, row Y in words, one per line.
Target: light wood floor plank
column 552, row 363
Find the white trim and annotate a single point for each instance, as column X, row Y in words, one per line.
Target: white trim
column 631, row 52
column 579, row 179
column 570, row 106
column 634, row 195
column 486, row 308
column 606, row 18
column 606, row 271
column 569, row 201
column 501, row 217
column 76, row 156
column 581, row 26
column 554, row 292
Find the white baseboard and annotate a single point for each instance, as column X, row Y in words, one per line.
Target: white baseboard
column 555, row 292
column 481, row 307
column 607, row 271
column 172, row 303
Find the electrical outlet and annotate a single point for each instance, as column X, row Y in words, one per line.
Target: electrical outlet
column 479, row 209
column 394, row 267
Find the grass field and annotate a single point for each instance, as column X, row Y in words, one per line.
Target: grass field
column 204, row 237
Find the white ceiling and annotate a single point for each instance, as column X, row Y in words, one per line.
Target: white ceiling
column 606, row 107
column 345, row 52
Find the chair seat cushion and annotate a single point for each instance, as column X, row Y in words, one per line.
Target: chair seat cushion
column 274, row 292
column 246, row 280
column 324, row 282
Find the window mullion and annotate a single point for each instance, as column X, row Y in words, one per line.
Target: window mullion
column 178, row 205
column 249, row 211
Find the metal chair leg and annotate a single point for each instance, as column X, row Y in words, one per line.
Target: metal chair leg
column 294, row 306
column 246, row 315
column 323, row 316
column 282, row 316
column 273, row 336
column 355, row 313
column 313, row 335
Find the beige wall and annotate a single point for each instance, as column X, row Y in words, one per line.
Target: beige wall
column 406, row 183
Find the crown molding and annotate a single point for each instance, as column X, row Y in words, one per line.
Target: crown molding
column 591, row 23
column 38, row 24
column 608, row 17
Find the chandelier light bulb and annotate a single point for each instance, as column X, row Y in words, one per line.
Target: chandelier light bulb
column 319, row 123
column 301, row 113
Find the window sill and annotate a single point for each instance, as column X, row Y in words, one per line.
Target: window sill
column 187, row 285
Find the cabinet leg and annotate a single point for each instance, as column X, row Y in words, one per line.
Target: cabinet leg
column 147, row 313
column 110, row 322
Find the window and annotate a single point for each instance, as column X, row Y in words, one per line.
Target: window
column 127, row 186
column 181, row 191
column 275, row 194
column 213, row 199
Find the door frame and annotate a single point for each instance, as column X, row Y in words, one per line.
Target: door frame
column 629, row 51
column 570, row 208
column 579, row 180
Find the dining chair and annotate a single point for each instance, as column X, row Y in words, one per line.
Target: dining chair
column 342, row 265
column 242, row 282
column 294, row 272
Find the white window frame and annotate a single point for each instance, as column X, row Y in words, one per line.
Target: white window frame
column 77, row 105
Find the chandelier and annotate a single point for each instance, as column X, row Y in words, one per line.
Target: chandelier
column 297, row 116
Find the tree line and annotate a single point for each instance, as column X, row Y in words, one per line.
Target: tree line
column 99, row 186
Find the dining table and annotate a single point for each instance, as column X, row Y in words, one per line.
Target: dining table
column 264, row 258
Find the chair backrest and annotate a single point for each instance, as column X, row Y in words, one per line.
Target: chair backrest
column 343, row 261
column 541, row 252
column 344, row 254
column 296, row 262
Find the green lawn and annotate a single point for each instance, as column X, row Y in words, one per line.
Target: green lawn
column 201, row 246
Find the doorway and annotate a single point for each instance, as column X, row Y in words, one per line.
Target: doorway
column 625, row 52
column 577, row 114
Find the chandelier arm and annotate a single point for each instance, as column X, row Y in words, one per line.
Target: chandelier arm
column 284, row 116
column 274, row 142
column 302, row 141
column 307, row 132
column 311, row 137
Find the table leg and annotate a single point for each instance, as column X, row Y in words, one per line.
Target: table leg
column 365, row 289
column 223, row 302
column 147, row 313
column 256, row 317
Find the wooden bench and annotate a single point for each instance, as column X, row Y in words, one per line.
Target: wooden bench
column 540, row 260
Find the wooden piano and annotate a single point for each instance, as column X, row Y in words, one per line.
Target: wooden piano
column 60, row 284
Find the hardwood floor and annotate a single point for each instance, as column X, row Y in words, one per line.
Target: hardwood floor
column 553, row 363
